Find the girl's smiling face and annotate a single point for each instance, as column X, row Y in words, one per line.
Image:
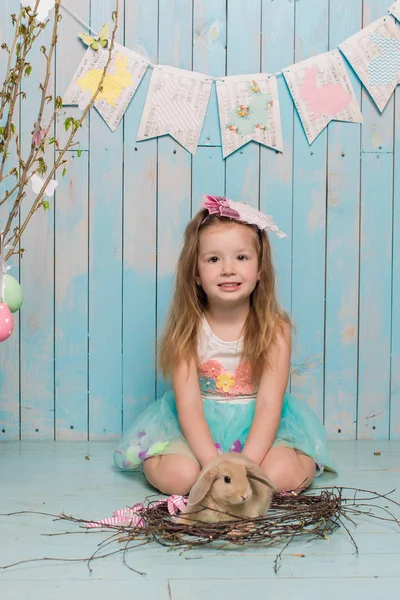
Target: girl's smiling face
column 227, row 263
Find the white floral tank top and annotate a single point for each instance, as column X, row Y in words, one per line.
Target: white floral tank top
column 221, row 374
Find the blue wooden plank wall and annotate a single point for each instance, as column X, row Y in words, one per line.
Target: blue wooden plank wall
column 98, row 268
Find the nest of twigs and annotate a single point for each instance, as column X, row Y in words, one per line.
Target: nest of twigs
column 313, row 514
column 289, row 515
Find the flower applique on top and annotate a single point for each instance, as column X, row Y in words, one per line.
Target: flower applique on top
column 222, row 375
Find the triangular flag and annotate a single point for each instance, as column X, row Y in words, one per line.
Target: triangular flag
column 374, row 54
column 176, row 105
column 322, row 92
column 123, row 76
column 249, row 111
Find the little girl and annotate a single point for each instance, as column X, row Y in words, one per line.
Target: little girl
column 226, row 347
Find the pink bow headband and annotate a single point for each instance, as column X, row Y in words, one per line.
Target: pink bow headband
column 218, row 205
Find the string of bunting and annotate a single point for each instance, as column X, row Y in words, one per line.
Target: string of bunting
column 248, row 104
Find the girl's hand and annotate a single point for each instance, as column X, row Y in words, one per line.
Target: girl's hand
column 255, row 459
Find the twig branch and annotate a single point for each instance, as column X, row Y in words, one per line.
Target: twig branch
column 15, row 75
column 34, row 163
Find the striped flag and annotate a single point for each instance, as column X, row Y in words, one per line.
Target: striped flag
column 176, row 105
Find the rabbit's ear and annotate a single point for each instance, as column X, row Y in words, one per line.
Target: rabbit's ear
column 254, row 472
column 203, row 485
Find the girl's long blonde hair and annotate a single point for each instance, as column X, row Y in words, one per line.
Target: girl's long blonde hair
column 179, row 340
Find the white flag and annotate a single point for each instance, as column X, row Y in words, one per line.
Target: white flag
column 123, row 76
column 249, row 111
column 322, row 92
column 374, row 54
column 176, row 105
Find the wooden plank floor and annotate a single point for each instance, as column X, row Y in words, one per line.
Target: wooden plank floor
column 79, row 479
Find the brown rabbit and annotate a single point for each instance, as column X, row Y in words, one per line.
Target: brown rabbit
column 230, row 486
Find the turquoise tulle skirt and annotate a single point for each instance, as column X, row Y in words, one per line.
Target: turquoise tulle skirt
column 156, row 431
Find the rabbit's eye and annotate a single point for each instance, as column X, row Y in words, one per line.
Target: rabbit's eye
column 227, row 479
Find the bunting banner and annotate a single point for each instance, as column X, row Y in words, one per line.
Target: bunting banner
column 248, row 105
column 249, row 110
column 176, row 105
column 374, row 54
column 322, row 92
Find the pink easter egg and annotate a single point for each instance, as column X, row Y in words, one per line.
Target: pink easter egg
column 6, row 322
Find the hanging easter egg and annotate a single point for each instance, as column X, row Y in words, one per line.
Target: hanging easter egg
column 12, row 293
column 6, row 322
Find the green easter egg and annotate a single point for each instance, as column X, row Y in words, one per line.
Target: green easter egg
column 12, row 293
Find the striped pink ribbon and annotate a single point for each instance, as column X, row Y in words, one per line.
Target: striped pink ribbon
column 129, row 517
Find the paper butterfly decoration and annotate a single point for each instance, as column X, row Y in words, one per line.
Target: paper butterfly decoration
column 37, row 184
column 43, row 8
column 95, row 42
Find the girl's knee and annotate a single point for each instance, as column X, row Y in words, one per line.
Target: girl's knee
column 171, row 474
column 150, row 465
column 308, row 466
column 288, row 470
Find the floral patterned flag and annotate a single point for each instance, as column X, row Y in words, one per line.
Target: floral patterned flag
column 249, row 111
column 374, row 54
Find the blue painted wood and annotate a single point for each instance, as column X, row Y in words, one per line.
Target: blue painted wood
column 309, row 220
column 395, row 333
column 174, row 163
column 37, row 273
column 243, row 166
column 208, row 175
column 105, row 261
column 116, row 244
column 209, row 57
column 71, row 257
column 375, row 296
column 330, row 588
column 71, row 301
column 328, row 568
column 342, row 249
column 276, row 171
column 9, row 350
column 140, row 224
column 375, row 260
